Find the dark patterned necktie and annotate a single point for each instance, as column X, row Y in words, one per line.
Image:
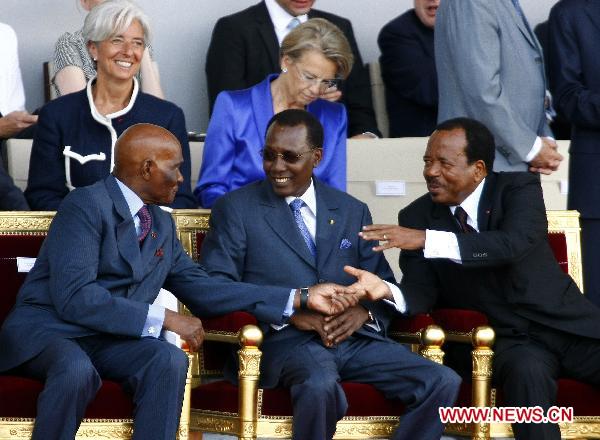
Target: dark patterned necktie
column 461, row 217
column 145, row 222
column 296, row 205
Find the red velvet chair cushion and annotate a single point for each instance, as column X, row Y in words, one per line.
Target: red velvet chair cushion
column 459, row 320
column 11, row 247
column 412, row 324
column 558, row 243
column 19, row 398
column 363, row 400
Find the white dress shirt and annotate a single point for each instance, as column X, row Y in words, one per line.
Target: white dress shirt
column 12, row 95
column 281, row 19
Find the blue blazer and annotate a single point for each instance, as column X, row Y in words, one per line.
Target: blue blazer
column 236, row 134
column 253, row 238
column 68, row 121
column 91, row 277
column 575, row 84
column 408, row 70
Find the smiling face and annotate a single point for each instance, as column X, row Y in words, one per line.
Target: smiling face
column 450, row 179
column 289, row 179
column 304, row 78
column 119, row 57
column 426, row 10
column 296, row 7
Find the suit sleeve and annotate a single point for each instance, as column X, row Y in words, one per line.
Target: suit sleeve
column 225, row 60
column 219, row 153
column 523, row 226
column 46, row 183
column 208, row 294
column 357, row 92
column 76, row 294
column 406, row 68
column 476, row 59
column 419, row 284
column 579, row 104
column 184, row 197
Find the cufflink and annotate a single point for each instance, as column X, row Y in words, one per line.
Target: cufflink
column 151, row 330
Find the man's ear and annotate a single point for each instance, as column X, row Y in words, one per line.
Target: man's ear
column 146, row 169
column 480, row 170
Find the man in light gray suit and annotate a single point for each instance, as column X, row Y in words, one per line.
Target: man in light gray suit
column 490, row 68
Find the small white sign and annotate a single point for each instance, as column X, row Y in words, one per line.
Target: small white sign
column 25, row 264
column 390, row 187
column 564, row 187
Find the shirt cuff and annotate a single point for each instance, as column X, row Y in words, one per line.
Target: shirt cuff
column 399, row 302
column 154, row 321
column 441, row 244
column 370, row 134
column 537, row 146
column 287, row 312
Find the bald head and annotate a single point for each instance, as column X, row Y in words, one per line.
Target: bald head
column 147, row 160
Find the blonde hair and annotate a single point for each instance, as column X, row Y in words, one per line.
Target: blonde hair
column 111, row 18
column 324, row 37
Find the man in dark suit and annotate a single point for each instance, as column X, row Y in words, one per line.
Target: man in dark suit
column 575, row 84
column 408, row 70
column 478, row 241
column 244, row 49
column 85, row 311
column 290, row 228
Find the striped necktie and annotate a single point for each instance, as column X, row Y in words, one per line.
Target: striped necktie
column 296, row 205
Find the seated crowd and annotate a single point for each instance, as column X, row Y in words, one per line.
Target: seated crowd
column 110, row 150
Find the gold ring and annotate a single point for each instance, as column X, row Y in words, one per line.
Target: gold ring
column 384, row 237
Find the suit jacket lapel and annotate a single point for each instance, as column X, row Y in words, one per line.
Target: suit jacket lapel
column 484, row 210
column 328, row 222
column 127, row 242
column 442, row 219
column 528, row 33
column 262, row 105
column 267, row 34
column 279, row 217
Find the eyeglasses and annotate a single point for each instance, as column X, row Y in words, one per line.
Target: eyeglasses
column 324, row 84
column 289, row 157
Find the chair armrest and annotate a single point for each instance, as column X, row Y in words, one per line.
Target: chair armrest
column 421, row 332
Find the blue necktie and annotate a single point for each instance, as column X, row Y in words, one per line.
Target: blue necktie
column 293, row 23
column 296, row 205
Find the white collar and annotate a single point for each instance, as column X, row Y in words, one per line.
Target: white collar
column 309, row 197
column 134, row 203
column 471, row 205
column 281, row 18
column 106, row 119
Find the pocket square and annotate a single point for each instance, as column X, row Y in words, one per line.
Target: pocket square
column 159, row 253
column 345, row 244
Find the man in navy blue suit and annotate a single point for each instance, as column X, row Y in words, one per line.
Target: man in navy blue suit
column 408, row 70
column 574, row 65
column 291, row 228
column 85, row 311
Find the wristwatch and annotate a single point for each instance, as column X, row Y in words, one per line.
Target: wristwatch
column 304, row 298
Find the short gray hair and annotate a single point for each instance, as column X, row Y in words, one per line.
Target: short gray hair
column 111, row 18
column 324, row 37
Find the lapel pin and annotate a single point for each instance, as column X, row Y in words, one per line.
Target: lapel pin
column 331, row 221
column 154, row 234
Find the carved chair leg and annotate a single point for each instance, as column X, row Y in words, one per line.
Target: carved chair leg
column 248, row 375
column 482, row 354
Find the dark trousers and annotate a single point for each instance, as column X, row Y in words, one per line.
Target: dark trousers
column 528, row 373
column 152, row 370
column 313, row 373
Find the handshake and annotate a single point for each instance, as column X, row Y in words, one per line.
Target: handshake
column 333, row 311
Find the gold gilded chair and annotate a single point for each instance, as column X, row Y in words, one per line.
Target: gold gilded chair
column 109, row 416
column 467, row 326
column 248, row 412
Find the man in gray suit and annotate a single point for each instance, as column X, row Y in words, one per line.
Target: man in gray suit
column 85, row 311
column 490, row 68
